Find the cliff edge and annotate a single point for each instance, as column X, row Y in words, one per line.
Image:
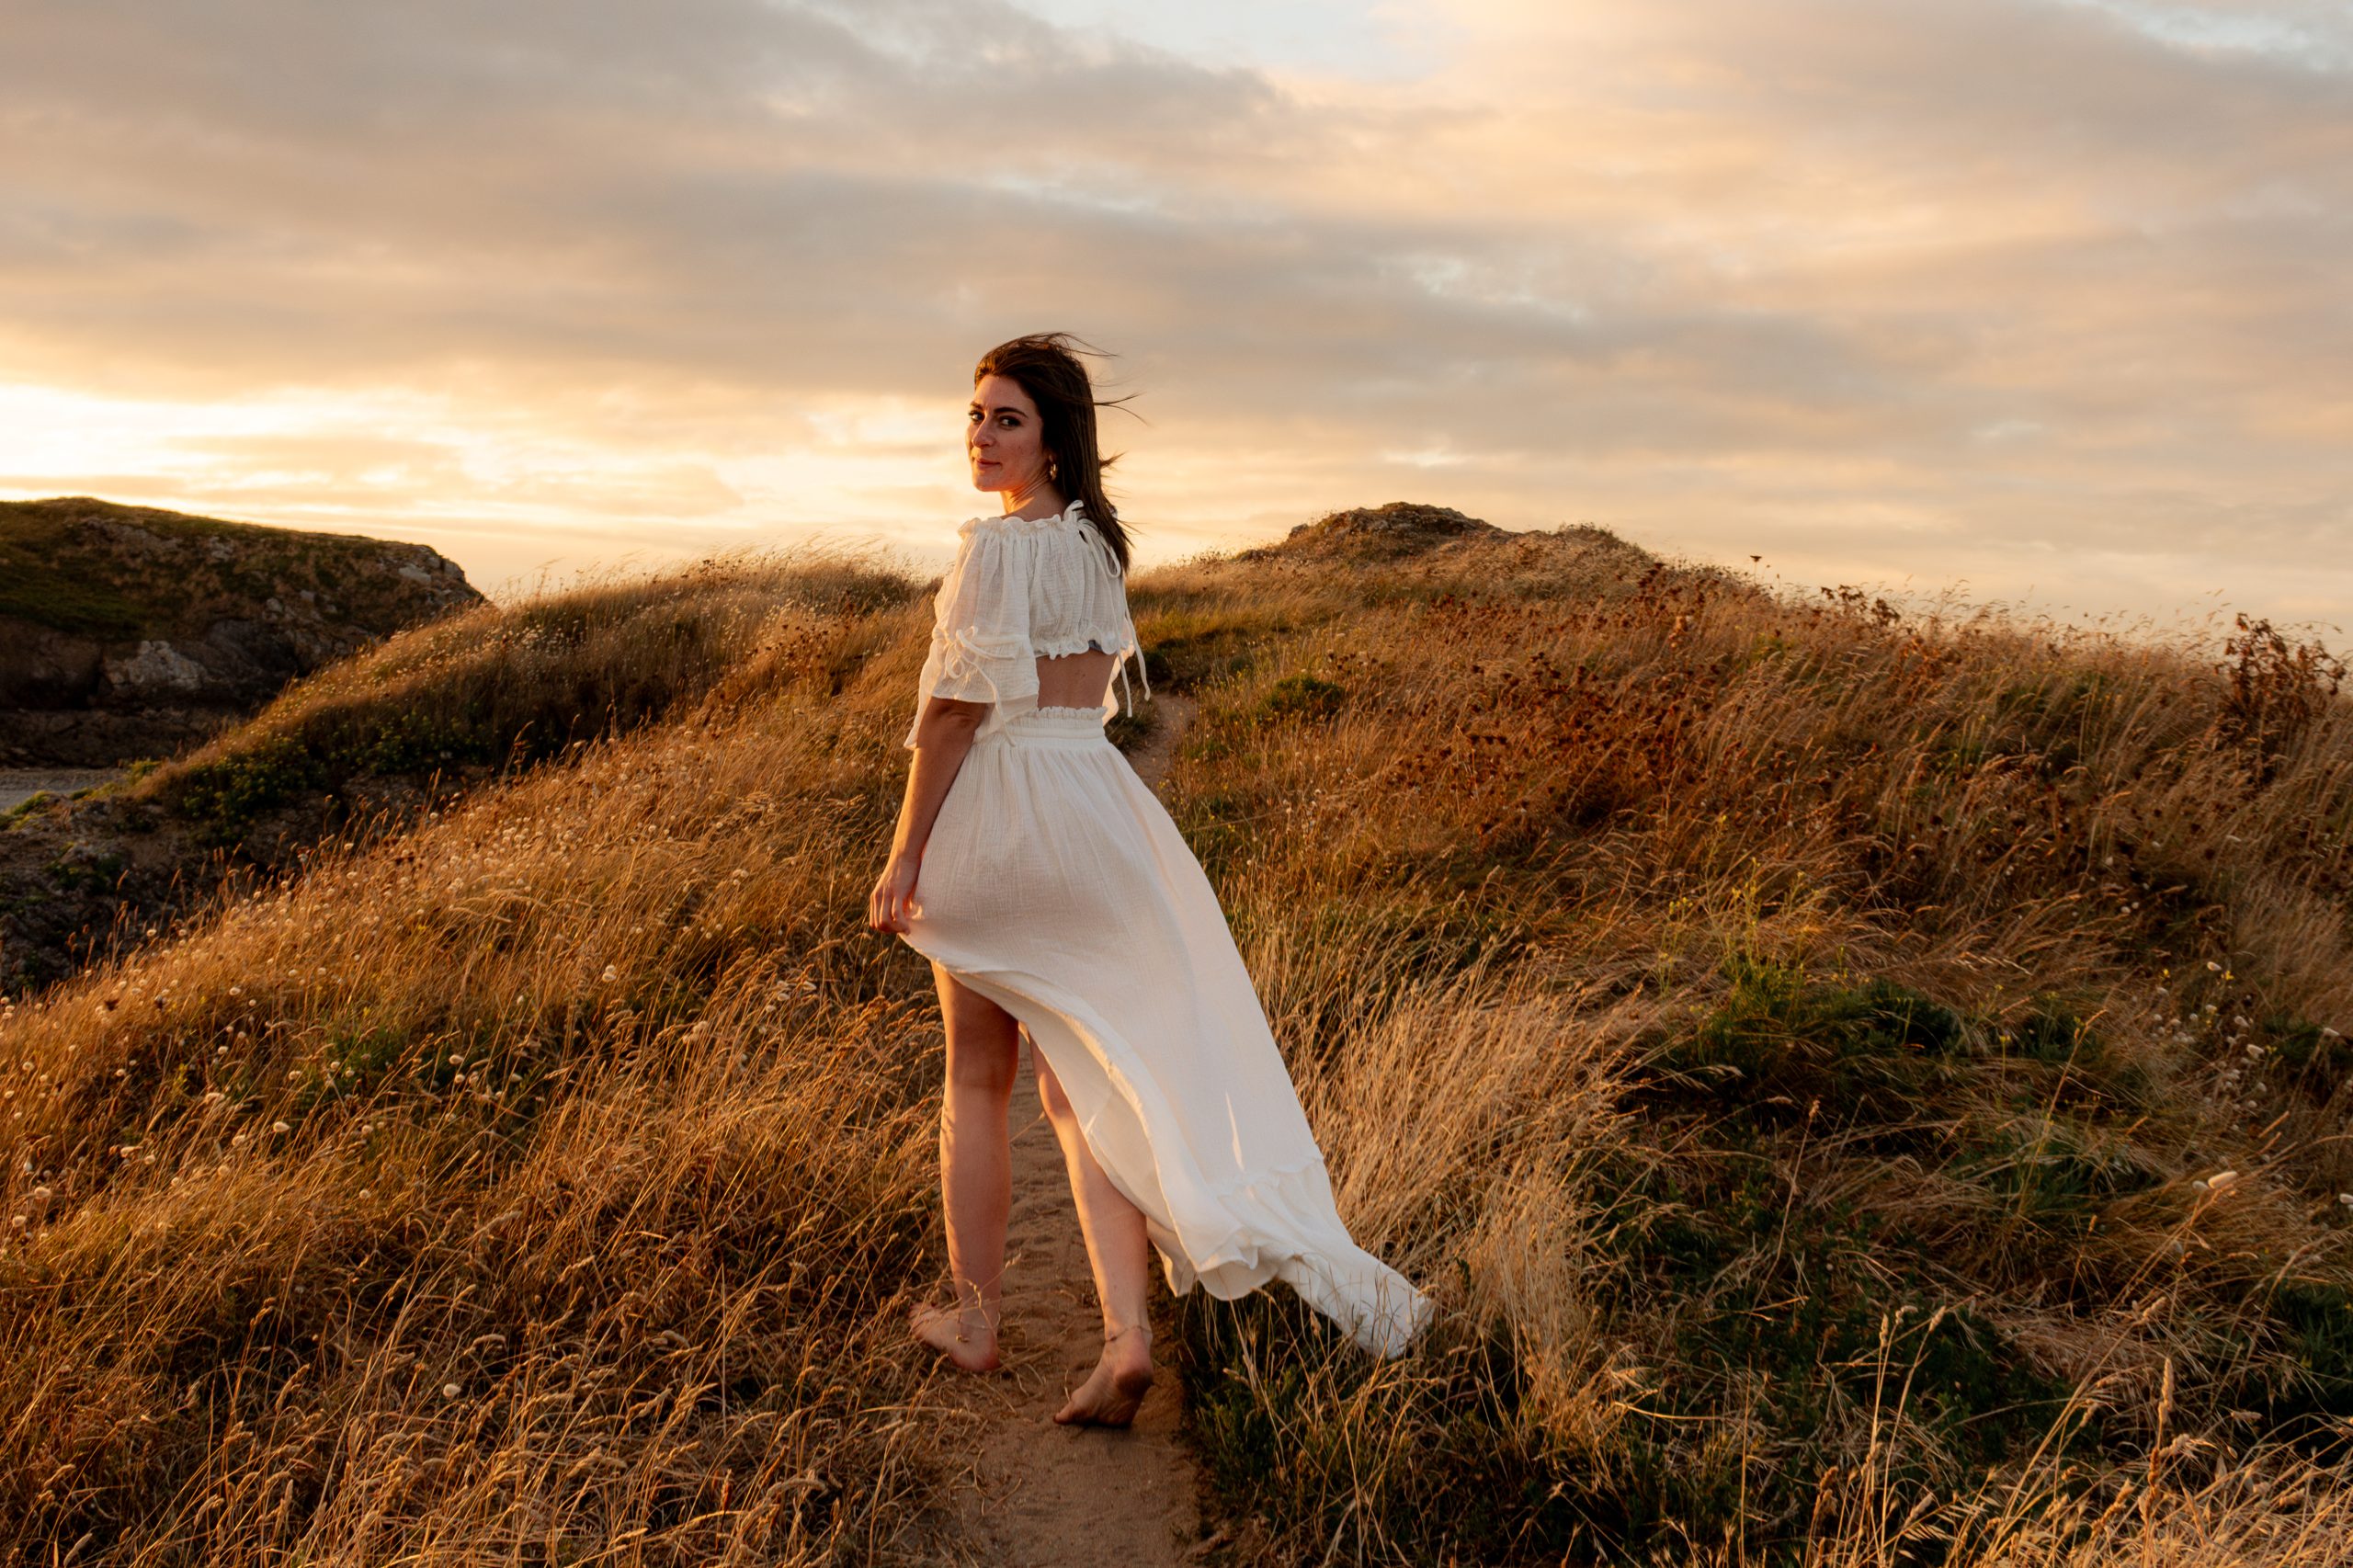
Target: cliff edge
column 132, row 631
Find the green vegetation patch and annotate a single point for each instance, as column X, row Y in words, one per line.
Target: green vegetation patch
column 1799, row 1318
column 1780, row 1041
column 1301, row 697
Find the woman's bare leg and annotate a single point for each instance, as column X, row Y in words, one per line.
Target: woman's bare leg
column 975, row 1171
column 1120, row 1256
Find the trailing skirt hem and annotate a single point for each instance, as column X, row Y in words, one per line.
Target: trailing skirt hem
column 1055, row 886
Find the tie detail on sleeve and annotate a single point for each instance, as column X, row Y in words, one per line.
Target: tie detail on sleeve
column 967, row 657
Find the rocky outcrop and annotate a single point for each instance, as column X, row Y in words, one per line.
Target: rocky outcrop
column 130, row 632
column 1398, row 529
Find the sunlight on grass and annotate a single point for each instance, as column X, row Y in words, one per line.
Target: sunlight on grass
column 1799, row 1047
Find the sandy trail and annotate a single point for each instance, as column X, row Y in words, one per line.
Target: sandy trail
column 1043, row 1496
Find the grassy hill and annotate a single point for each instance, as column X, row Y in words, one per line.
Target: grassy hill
column 1800, row 1047
column 75, row 563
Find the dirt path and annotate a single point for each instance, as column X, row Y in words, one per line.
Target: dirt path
column 1043, row 1496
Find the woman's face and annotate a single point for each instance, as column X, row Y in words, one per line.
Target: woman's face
column 1004, row 437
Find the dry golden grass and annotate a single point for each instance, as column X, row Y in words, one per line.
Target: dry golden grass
column 530, row 1186
column 1735, row 1005
column 1781, row 1034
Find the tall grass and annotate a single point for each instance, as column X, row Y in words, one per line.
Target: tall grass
column 496, row 687
column 534, row 1184
column 1797, row 1044
column 1802, row 1045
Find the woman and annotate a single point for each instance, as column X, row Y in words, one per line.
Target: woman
column 1054, row 896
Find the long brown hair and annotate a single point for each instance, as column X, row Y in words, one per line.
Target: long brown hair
column 1042, row 365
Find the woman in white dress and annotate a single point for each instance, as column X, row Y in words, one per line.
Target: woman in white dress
column 1054, row 896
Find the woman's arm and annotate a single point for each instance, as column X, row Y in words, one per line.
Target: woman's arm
column 943, row 734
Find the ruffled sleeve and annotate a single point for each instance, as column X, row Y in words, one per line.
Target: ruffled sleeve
column 980, row 624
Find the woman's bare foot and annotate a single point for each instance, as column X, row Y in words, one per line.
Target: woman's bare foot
column 970, row 1346
column 1111, row 1396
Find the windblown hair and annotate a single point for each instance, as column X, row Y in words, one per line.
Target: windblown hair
column 1042, row 365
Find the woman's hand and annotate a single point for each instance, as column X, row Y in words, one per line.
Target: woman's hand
column 894, row 897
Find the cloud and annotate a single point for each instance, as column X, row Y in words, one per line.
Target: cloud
column 1927, row 285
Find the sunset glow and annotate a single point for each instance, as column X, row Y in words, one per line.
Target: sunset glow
column 2040, row 300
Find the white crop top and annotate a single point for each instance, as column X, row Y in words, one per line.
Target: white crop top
column 1022, row 589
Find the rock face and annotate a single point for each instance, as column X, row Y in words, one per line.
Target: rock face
column 130, row 632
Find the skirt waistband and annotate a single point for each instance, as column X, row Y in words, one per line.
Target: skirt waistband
column 1068, row 728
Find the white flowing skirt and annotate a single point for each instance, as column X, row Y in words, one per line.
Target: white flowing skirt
column 1055, row 884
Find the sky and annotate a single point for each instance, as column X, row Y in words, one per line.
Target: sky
column 2042, row 303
